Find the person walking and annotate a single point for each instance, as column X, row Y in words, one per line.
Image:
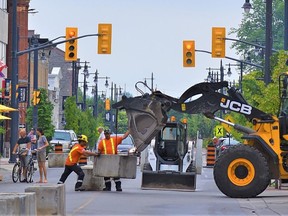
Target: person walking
column 101, row 136
column 24, row 145
column 32, row 136
column 42, row 144
column 108, row 146
column 71, row 162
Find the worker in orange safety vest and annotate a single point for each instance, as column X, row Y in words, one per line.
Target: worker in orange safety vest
column 71, row 164
column 109, row 146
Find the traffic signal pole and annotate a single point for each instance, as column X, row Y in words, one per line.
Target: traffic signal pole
column 14, row 81
column 14, row 76
column 35, row 87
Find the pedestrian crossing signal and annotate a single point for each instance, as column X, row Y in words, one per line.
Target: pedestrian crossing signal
column 104, row 38
column 107, row 104
column 36, row 97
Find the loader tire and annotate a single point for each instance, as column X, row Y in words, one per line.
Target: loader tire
column 147, row 167
column 241, row 172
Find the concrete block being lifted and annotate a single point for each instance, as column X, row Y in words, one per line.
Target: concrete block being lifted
column 51, row 199
column 18, row 204
column 91, row 182
column 56, row 159
column 123, row 166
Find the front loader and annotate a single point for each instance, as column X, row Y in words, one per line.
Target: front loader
column 242, row 171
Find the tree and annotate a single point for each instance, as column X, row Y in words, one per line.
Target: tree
column 45, row 109
column 72, row 114
column 252, row 29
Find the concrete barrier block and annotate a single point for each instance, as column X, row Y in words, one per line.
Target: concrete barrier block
column 51, row 199
column 91, row 182
column 18, row 204
column 123, row 166
column 56, row 159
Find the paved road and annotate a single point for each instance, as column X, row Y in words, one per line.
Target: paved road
column 206, row 200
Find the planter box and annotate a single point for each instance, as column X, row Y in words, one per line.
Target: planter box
column 115, row 166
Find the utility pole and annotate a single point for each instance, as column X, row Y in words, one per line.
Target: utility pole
column 14, row 82
column 35, row 84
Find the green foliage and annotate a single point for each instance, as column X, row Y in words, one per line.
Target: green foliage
column 72, row 114
column 45, row 109
column 82, row 122
column 122, row 122
column 202, row 124
column 252, row 29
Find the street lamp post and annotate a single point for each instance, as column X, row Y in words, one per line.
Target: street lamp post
column 268, row 37
column 96, row 78
column 152, row 81
column 241, row 73
column 86, row 74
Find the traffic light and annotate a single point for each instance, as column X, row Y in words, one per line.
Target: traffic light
column 218, row 42
column 36, row 97
column 104, row 38
column 107, row 104
column 71, row 46
column 188, row 53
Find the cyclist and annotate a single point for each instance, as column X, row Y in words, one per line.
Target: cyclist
column 24, row 148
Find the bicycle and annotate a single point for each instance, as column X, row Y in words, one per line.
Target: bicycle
column 17, row 170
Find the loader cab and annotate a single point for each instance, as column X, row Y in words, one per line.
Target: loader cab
column 171, row 143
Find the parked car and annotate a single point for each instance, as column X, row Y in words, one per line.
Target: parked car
column 67, row 138
column 225, row 143
column 126, row 146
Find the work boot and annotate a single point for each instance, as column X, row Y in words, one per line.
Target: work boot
column 79, row 189
column 107, row 186
column 118, row 186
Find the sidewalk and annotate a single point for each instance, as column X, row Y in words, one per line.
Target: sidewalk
column 5, row 169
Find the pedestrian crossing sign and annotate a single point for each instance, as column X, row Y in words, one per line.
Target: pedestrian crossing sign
column 219, row 131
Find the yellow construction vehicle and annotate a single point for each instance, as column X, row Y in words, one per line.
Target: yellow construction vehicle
column 243, row 170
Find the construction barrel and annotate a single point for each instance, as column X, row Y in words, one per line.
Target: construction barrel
column 210, row 158
column 82, row 161
column 58, row 148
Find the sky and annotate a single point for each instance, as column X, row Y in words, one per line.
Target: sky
column 146, row 38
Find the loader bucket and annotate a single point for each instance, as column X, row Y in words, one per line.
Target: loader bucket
column 168, row 180
column 146, row 117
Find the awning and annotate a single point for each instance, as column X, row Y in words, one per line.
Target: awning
column 4, row 117
column 6, row 108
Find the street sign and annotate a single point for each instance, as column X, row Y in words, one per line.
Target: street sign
column 107, row 116
column 219, row 131
column 228, row 128
column 22, row 96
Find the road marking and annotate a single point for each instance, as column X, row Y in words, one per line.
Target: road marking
column 84, row 205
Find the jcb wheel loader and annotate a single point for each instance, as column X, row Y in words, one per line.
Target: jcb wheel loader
column 243, row 170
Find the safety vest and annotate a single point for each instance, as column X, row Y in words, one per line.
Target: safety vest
column 113, row 147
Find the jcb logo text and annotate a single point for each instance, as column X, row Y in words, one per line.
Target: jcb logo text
column 236, row 106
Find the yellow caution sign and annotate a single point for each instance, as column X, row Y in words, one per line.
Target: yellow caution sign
column 228, row 128
column 219, row 131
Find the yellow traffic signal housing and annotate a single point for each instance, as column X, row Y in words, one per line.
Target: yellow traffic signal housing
column 36, row 97
column 107, row 104
column 104, row 38
column 173, row 119
column 71, row 46
column 188, row 53
column 218, row 42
